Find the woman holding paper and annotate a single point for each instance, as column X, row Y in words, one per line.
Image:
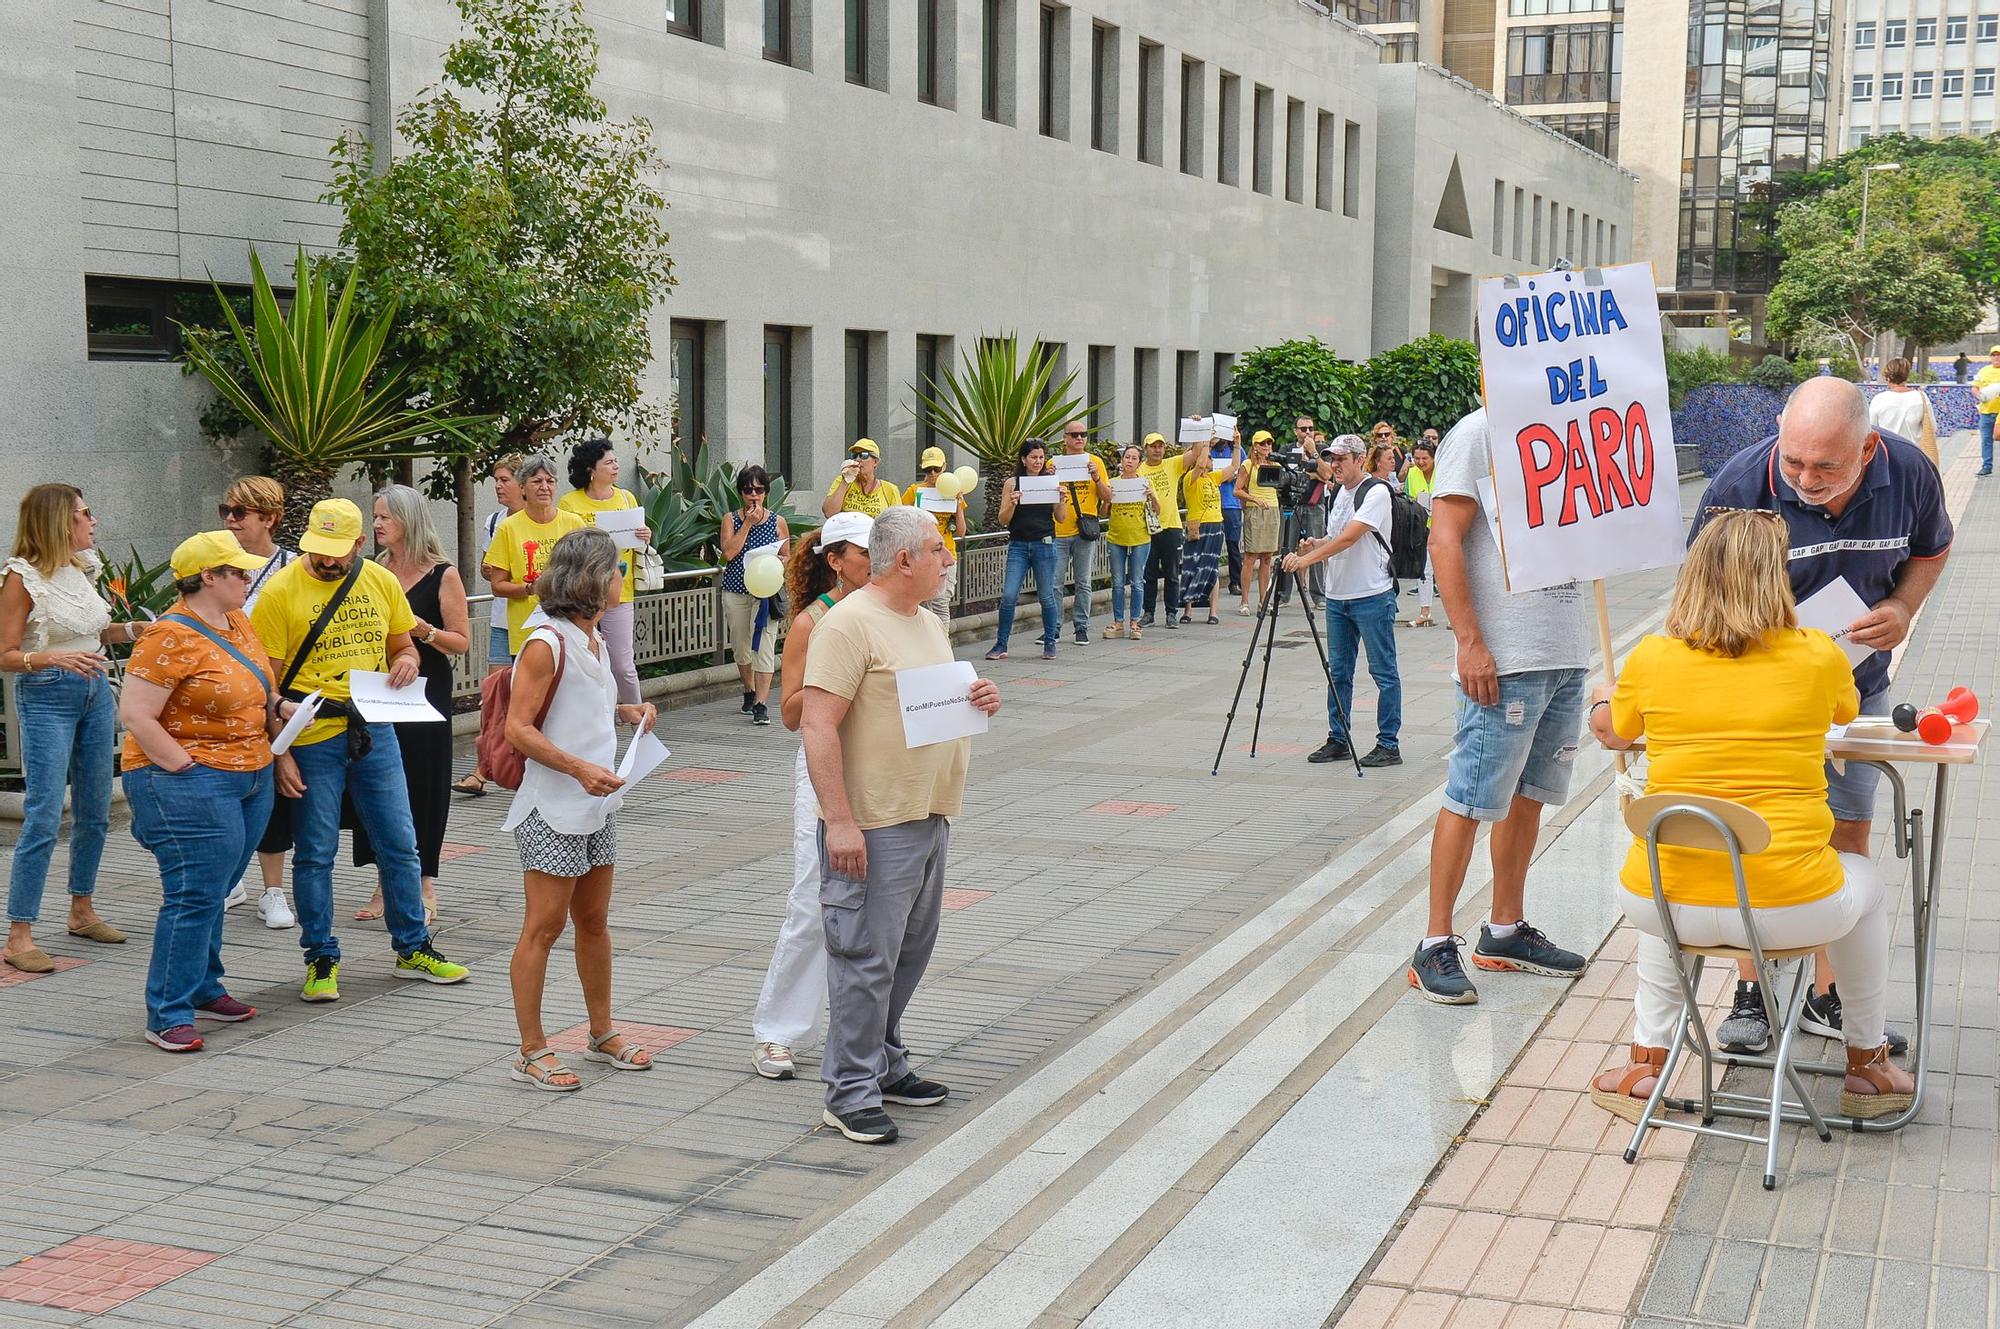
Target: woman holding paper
column 593, row 470
column 824, row 570
column 753, row 631
column 561, row 718
column 410, row 548
column 1029, row 512
column 1129, row 536
column 1202, row 551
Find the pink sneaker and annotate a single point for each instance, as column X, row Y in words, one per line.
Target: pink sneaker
column 180, row 1038
column 225, row 1009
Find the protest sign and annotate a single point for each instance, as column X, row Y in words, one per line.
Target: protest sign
column 1582, row 441
column 1072, row 467
column 1036, row 488
column 937, row 705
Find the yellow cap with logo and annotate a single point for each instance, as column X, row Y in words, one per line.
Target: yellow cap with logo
column 212, row 549
column 933, row 459
column 333, row 529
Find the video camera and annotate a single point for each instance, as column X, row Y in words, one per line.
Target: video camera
column 1291, row 473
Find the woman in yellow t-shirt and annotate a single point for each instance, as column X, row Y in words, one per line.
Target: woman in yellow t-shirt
column 1130, row 542
column 593, row 471
column 1260, row 520
column 1734, row 702
column 1201, row 549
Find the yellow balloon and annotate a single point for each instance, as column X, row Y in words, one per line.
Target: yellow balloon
column 947, row 484
column 763, row 575
column 968, row 479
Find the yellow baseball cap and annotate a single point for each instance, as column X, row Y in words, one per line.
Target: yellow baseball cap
column 333, row 529
column 212, row 549
column 1262, row 436
column 868, row 446
column 1155, row 438
column 1994, row 351
column 932, row 457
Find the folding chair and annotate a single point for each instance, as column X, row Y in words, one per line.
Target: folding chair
column 1693, row 821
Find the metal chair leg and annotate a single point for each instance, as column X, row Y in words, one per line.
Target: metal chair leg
column 1676, row 1047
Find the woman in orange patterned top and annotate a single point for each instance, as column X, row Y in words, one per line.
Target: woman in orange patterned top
column 199, row 707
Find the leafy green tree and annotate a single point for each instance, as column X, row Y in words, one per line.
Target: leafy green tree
column 521, row 235
column 1832, row 297
column 1430, row 382
column 996, row 400
column 1274, row 385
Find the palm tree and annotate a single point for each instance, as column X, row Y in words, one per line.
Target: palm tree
column 313, row 383
column 995, row 401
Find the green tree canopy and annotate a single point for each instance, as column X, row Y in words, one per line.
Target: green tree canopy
column 1274, row 385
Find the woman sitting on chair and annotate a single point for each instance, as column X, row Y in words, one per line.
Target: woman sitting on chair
column 1734, row 702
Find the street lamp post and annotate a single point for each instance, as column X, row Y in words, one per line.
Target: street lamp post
column 1867, row 173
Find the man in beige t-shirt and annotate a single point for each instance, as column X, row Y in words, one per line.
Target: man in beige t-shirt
column 883, row 810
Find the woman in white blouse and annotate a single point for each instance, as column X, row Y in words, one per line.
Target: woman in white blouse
column 53, row 630
column 560, row 717
column 1903, row 410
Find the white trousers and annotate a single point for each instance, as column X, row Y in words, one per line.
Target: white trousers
column 1852, row 923
column 793, row 1004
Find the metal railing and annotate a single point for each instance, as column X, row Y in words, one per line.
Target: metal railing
column 683, row 621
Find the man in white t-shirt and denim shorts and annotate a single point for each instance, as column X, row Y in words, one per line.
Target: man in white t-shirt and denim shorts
column 1521, row 667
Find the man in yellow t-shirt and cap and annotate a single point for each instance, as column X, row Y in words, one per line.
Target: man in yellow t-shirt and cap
column 323, row 617
column 1986, row 387
column 951, row 525
column 856, row 489
column 1080, row 527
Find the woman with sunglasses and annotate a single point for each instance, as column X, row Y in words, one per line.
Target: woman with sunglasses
column 54, row 627
column 857, row 488
column 1031, row 547
column 593, row 470
column 951, row 526
column 753, row 628
column 251, row 511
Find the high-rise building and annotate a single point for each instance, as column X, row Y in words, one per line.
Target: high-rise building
column 1921, row 67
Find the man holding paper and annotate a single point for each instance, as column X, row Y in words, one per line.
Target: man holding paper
column 1080, row 524
column 321, row 619
column 1865, row 514
column 883, row 810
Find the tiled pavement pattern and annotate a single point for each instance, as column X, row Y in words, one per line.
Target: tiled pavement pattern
column 1535, row 1220
column 370, row 1163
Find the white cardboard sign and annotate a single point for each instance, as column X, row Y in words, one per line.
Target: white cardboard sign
column 936, row 703
column 1582, row 440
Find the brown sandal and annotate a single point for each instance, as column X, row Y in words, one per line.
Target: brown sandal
column 1880, row 1098
column 1623, row 1096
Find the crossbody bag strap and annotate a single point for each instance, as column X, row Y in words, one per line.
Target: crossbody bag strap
column 311, row 639
column 263, row 680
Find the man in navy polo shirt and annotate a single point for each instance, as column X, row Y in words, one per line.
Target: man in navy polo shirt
column 1867, row 506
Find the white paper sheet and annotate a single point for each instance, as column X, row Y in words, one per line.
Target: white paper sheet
column 1223, row 463
column 1194, row 429
column 623, row 526
column 307, row 712
column 1130, row 491
column 1832, row 609
column 1073, row 467
column 1225, row 425
column 642, row 757
column 935, row 704
column 370, row 694
column 1036, row 488
column 930, row 500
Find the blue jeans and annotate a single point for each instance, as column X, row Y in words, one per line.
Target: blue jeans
column 202, row 825
column 381, row 799
column 1232, row 536
column 1080, row 557
column 1986, row 440
column 1128, row 580
column 69, row 725
column 1370, row 622
column 1040, row 556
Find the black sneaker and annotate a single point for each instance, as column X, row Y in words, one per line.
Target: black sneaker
column 1821, row 1015
column 915, row 1091
column 863, row 1125
column 1082, row 637
column 760, row 714
column 1747, row 1029
column 1334, row 749
column 1147, row 621
column 1437, row 972
column 1382, row 756
column 749, row 700
column 1526, row 951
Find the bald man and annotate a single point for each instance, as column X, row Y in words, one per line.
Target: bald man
column 1863, row 505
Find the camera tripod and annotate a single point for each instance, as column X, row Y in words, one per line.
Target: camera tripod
column 1267, row 628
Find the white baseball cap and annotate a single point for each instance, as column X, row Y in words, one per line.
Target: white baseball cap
column 853, row 527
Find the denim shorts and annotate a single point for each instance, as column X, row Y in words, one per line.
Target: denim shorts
column 1526, row 745
column 496, row 646
column 1851, row 793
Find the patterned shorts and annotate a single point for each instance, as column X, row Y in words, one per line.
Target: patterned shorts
column 547, row 850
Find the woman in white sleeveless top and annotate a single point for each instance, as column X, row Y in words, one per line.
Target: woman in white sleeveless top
column 1903, row 410
column 53, row 629
column 562, row 814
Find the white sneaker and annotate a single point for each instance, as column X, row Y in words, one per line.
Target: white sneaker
column 271, row 907
column 237, row 895
column 773, row 1061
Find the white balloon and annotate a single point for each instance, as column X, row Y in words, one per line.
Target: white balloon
column 763, row 575
column 947, row 484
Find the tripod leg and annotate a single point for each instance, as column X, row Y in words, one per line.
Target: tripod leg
column 1267, row 626
column 1242, row 677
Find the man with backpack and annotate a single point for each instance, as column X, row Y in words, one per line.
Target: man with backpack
column 1360, row 602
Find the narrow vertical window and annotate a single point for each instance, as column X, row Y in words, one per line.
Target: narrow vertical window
column 1263, row 103
column 1103, row 87
column 778, row 31
column 1350, row 170
column 1193, row 76
column 1152, row 101
column 1229, row 130
column 857, row 41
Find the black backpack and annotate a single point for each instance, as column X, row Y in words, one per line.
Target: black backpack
column 1409, row 536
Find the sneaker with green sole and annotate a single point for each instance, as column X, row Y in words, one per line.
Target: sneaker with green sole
column 322, row 980
column 425, row 963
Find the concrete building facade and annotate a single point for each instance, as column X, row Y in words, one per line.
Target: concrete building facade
column 859, row 191
column 1920, row 67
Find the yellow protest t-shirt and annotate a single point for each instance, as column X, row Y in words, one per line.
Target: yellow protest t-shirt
column 1986, row 377
column 944, row 519
column 1204, row 495
column 357, row 637
column 1750, row 729
column 1082, row 496
column 583, row 505
column 873, row 505
column 1165, row 477
column 521, row 545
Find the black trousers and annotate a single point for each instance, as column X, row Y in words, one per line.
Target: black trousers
column 1164, row 562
